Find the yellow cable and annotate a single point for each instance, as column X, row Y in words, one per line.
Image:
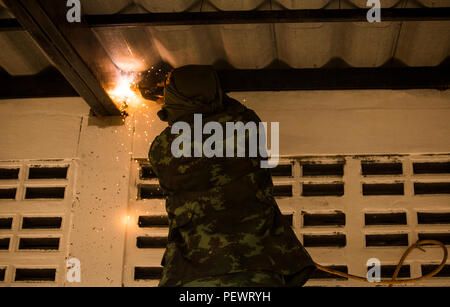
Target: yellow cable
column 399, row 265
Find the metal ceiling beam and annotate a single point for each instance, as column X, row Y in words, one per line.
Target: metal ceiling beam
column 248, row 17
column 52, row 84
column 48, row 35
column 252, row 17
column 336, row 79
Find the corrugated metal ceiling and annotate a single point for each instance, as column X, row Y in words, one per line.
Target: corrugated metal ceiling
column 126, row 6
column 248, row 46
column 19, row 54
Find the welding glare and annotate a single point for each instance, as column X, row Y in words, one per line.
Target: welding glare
column 123, row 93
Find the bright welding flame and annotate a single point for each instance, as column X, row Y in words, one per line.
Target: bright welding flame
column 123, row 88
column 123, row 93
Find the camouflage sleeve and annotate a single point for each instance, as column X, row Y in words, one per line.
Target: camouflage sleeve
column 157, row 150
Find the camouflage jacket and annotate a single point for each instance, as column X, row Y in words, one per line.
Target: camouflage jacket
column 223, row 217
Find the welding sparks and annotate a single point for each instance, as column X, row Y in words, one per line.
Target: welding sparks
column 123, row 93
column 123, row 88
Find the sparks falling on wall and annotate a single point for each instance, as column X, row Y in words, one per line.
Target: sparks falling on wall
column 134, row 108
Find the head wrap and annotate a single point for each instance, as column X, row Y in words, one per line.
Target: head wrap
column 191, row 89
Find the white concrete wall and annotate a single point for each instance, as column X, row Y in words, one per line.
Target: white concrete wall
column 40, row 128
column 51, row 129
column 357, row 122
column 103, row 153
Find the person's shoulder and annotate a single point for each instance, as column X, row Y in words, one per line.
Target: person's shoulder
column 233, row 105
column 163, row 135
column 161, row 141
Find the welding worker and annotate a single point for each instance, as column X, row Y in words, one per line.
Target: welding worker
column 225, row 227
